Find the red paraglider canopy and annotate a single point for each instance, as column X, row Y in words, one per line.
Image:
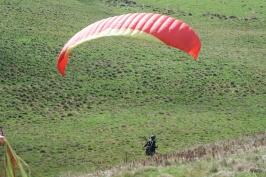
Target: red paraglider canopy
column 147, row 26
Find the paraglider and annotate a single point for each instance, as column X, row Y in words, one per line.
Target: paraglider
column 147, row 26
column 150, row 147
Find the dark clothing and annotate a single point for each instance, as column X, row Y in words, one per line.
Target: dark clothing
column 152, row 145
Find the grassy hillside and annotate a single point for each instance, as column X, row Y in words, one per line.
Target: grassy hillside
column 120, row 89
column 239, row 157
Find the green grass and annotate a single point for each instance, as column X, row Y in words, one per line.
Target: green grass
column 251, row 164
column 119, row 89
column 240, row 9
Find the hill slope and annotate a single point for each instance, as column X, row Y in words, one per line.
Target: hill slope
column 120, row 89
column 239, row 157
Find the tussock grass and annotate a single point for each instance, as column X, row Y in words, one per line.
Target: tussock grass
column 242, row 156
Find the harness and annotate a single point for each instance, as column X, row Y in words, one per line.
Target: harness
column 149, row 148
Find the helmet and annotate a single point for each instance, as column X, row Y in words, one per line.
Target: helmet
column 153, row 137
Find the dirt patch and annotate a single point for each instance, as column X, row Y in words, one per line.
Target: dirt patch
column 224, row 17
